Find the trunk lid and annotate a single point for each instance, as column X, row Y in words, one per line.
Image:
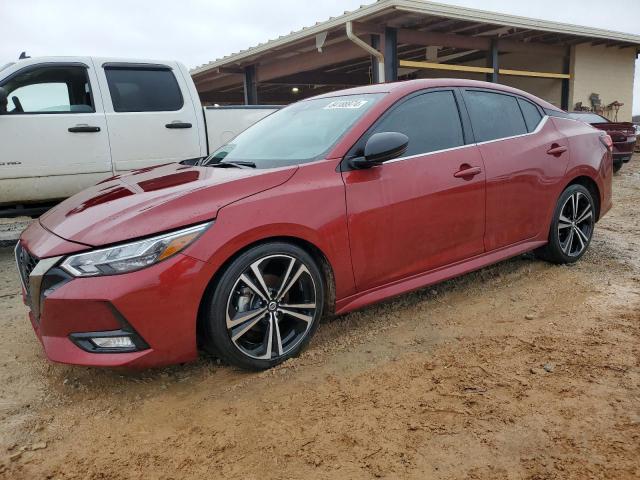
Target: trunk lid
column 619, row 131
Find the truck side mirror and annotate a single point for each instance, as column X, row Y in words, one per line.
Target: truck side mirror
column 3, row 101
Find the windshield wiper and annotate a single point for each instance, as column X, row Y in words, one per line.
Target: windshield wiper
column 238, row 164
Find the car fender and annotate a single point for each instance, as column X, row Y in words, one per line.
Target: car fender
column 309, row 208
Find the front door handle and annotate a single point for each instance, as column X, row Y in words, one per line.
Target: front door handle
column 557, row 150
column 84, row 129
column 178, row 125
column 467, row 171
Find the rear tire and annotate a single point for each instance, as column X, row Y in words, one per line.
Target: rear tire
column 265, row 307
column 571, row 227
column 617, row 165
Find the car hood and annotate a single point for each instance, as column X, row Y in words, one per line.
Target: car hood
column 153, row 200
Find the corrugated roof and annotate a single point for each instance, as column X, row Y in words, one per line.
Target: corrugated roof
column 424, row 8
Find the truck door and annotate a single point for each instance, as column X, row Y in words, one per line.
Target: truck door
column 151, row 117
column 53, row 138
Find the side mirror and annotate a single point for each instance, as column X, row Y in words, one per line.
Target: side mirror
column 381, row 147
column 3, row 101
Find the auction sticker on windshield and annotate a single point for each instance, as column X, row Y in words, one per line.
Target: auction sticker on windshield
column 348, row 104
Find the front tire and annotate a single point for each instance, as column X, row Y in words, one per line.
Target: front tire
column 266, row 306
column 571, row 228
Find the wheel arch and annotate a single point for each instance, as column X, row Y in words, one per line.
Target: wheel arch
column 312, row 249
column 590, row 184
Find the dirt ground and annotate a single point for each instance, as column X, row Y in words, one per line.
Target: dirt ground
column 523, row 370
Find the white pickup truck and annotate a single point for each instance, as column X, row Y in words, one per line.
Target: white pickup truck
column 70, row 122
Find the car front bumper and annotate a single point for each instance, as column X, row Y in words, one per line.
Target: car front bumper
column 157, row 306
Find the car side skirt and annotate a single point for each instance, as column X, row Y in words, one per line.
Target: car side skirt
column 431, row 277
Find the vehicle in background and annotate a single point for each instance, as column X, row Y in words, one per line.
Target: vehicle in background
column 70, row 122
column 623, row 134
column 637, row 148
column 328, row 205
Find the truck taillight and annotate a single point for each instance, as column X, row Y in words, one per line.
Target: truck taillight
column 607, row 142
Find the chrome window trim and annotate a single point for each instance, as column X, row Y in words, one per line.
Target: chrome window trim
column 540, row 126
column 399, row 159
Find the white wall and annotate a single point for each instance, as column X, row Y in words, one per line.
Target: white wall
column 608, row 72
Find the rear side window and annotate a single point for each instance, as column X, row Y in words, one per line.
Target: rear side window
column 531, row 114
column 431, row 121
column 494, row 115
column 143, row 89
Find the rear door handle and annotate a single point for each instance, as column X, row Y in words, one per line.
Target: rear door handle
column 84, row 129
column 557, row 150
column 468, row 172
column 178, row 125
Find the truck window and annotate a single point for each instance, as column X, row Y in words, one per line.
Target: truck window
column 143, row 89
column 49, row 89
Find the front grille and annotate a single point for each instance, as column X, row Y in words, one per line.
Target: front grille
column 26, row 263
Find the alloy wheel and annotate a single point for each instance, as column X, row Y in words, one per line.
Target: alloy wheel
column 575, row 224
column 271, row 307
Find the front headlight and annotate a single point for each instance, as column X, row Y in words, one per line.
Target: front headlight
column 131, row 256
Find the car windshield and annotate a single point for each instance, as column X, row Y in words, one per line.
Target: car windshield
column 588, row 117
column 300, row 133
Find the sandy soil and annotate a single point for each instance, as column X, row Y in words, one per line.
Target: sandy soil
column 522, row 370
column 11, row 228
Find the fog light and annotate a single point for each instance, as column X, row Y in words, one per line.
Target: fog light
column 113, row 342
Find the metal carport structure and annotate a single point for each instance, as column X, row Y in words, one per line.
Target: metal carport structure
column 400, row 39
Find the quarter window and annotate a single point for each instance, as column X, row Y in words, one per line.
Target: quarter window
column 143, row 89
column 494, row 115
column 51, row 89
column 431, row 121
column 531, row 114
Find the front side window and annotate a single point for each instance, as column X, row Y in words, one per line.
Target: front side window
column 430, row 120
column 143, row 89
column 300, row 133
column 52, row 89
column 494, row 115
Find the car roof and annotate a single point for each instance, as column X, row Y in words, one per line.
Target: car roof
column 406, row 87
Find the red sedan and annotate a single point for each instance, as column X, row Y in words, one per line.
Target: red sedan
column 623, row 135
column 326, row 206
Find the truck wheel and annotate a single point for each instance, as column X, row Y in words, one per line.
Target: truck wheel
column 266, row 306
column 571, row 228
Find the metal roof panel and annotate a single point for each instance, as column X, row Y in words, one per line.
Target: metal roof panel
column 428, row 9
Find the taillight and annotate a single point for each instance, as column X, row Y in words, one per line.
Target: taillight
column 607, row 142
